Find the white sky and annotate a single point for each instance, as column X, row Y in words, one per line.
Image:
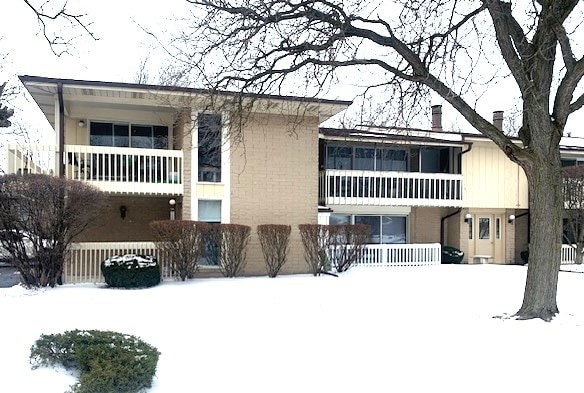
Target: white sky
column 122, row 45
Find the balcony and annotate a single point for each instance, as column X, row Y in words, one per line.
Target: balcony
column 375, row 188
column 117, row 170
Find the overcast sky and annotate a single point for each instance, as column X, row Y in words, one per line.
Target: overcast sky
column 123, row 44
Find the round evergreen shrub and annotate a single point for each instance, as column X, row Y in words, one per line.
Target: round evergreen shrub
column 108, row 362
column 131, row 271
column 451, row 255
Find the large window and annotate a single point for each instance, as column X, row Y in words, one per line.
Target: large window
column 384, row 229
column 382, row 158
column 126, row 135
column 209, row 131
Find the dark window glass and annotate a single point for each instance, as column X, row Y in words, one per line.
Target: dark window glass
column 484, row 228
column 374, row 224
column 121, row 135
column 209, row 130
column 141, row 137
column 391, row 160
column 100, row 134
column 160, row 135
column 339, row 219
column 393, row 230
column 470, row 229
column 339, row 157
column 364, row 159
column 430, row 160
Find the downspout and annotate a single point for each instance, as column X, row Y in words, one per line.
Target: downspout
column 442, row 225
column 528, row 224
column 61, row 131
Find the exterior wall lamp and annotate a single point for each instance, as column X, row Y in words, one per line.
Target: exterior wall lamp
column 172, row 204
column 467, row 217
column 81, row 123
column 511, row 219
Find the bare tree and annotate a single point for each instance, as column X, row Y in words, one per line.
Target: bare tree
column 414, row 47
column 58, row 24
column 60, row 27
column 574, row 203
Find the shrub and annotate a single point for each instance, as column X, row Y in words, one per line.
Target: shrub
column 274, row 240
column 41, row 215
column 108, row 362
column 131, row 271
column 231, row 240
column 524, row 256
column 451, row 255
column 346, row 244
column 183, row 243
column 316, row 242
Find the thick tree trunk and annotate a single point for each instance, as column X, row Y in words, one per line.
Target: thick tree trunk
column 545, row 207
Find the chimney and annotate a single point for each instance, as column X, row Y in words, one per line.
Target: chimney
column 436, row 117
column 498, row 120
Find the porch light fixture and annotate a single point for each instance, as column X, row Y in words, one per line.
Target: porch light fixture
column 81, row 123
column 123, row 211
column 511, row 219
column 467, row 217
column 172, row 204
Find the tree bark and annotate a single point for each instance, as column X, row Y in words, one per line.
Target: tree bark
column 545, row 207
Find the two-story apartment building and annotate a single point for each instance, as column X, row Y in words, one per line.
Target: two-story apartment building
column 164, row 151
column 422, row 186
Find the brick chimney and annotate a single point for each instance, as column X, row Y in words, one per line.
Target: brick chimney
column 498, row 120
column 436, row 117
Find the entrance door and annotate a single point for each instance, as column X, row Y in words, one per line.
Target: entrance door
column 489, row 235
column 484, row 244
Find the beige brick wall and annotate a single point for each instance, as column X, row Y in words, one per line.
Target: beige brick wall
column 110, row 227
column 425, row 224
column 274, row 181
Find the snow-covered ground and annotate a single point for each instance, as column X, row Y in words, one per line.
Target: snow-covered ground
column 431, row 329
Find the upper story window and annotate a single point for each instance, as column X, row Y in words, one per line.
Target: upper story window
column 209, row 147
column 128, row 135
column 366, row 158
column 383, row 158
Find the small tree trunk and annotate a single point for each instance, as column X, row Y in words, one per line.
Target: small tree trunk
column 545, row 207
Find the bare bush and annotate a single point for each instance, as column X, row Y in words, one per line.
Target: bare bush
column 40, row 216
column 274, row 240
column 183, row 244
column 316, row 242
column 346, row 244
column 232, row 241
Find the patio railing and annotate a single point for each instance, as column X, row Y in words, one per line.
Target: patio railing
column 344, row 187
column 386, row 255
column 111, row 169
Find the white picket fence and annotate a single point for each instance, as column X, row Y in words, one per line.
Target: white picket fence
column 389, row 255
column 85, row 259
column 568, row 254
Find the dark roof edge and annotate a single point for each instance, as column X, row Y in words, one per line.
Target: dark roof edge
column 41, row 79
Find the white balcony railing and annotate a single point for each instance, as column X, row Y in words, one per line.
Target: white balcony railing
column 110, row 169
column 344, row 187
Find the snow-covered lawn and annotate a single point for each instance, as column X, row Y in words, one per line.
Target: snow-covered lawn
column 425, row 329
